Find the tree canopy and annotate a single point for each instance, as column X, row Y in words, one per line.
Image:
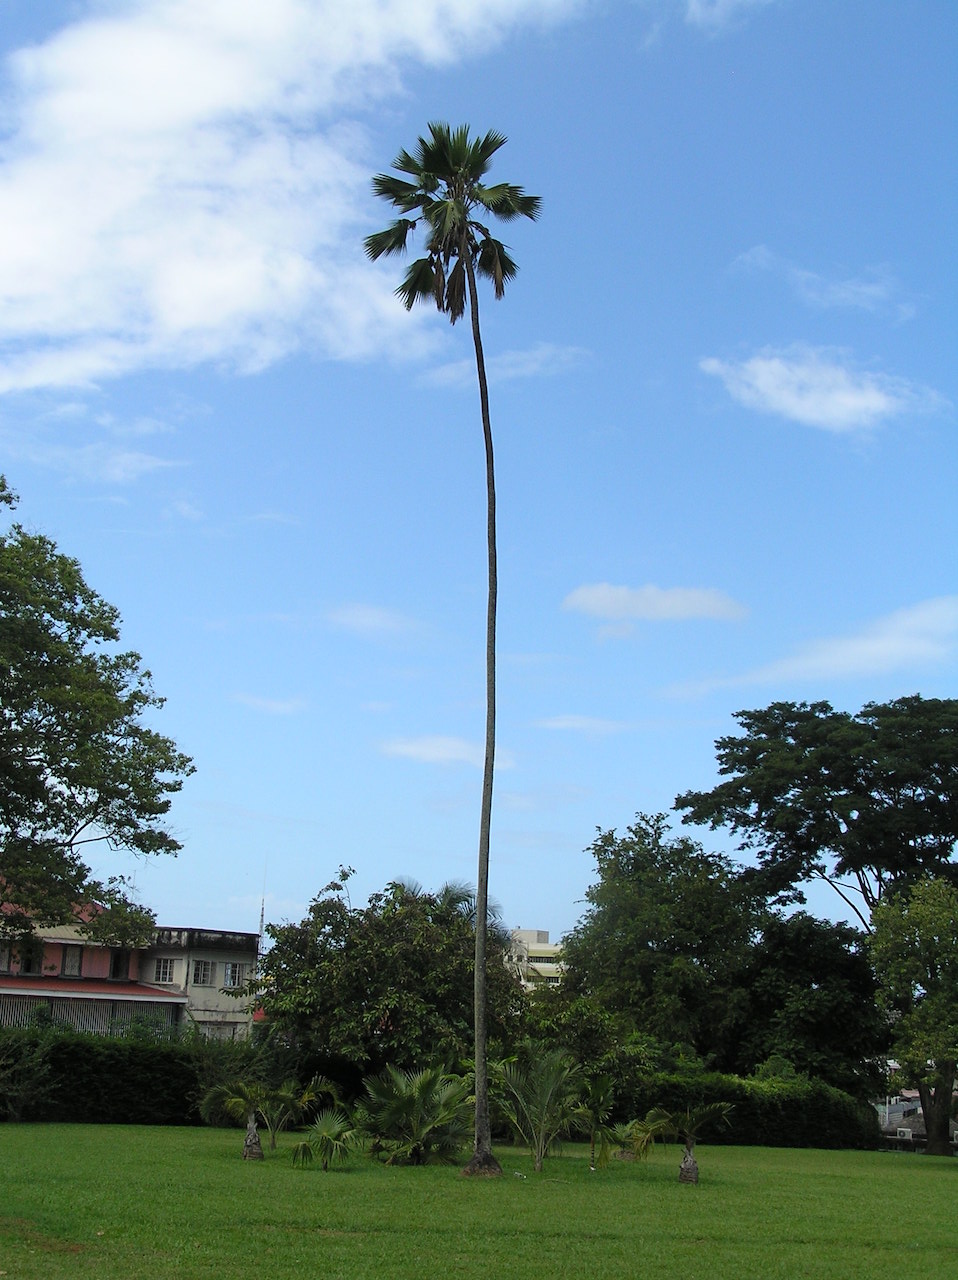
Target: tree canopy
column 866, row 802
column 667, row 926
column 79, row 764
column 914, row 948
column 388, row 983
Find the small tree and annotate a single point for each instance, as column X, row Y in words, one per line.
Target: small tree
column 255, row 1102
column 541, row 1099
column 594, row 1111
column 914, row 948
column 686, row 1125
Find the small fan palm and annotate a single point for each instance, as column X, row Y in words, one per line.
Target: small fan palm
column 414, row 1117
column 444, row 188
column 330, row 1138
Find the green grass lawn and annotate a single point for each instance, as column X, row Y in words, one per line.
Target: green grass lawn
column 121, row 1203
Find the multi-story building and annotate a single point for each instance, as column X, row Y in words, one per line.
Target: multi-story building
column 536, row 959
column 184, row 976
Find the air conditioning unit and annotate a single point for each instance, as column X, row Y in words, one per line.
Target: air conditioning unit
column 904, row 1133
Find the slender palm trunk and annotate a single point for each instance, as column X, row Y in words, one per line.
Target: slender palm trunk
column 483, row 1161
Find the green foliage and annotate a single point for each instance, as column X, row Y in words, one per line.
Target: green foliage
column 593, row 1116
column 330, row 1138
column 256, row 1101
column 806, row 993
column 391, row 982
column 774, row 1113
column 914, row 948
column 666, row 929
column 78, row 762
column 540, row 1094
column 414, row 1117
column 51, row 1074
column 446, row 192
column 870, row 798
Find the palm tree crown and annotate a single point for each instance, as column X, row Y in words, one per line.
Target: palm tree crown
column 446, row 192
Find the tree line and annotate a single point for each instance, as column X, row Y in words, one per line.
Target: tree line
column 684, row 960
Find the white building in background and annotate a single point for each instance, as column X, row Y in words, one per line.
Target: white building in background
column 210, row 967
column 536, row 959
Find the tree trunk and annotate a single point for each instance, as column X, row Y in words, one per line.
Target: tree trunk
column 251, row 1145
column 483, row 1162
column 689, row 1169
column 936, row 1110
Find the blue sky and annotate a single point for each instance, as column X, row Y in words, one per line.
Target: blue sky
column 723, row 398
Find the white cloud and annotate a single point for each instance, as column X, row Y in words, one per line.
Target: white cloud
column 436, row 750
column 97, row 460
column 817, row 387
column 270, row 706
column 876, row 290
column 594, row 725
column 915, row 638
column 651, row 603
column 174, row 189
column 922, row 635
column 542, row 360
column 367, row 619
column 714, row 14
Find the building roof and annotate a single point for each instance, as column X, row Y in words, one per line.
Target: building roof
column 14, row 984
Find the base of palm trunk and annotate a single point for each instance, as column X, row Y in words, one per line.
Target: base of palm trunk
column 252, row 1150
column 483, row 1166
column 688, row 1169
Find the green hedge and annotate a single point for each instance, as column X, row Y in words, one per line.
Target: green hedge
column 768, row 1113
column 85, row 1079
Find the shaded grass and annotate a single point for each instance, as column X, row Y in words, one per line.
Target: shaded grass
column 121, row 1203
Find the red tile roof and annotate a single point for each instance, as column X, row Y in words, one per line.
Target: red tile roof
column 85, row 989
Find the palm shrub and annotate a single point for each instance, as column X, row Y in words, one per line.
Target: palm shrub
column 593, row 1113
column 330, row 1138
column 687, row 1125
column 541, row 1099
column 290, row 1103
column 255, row 1102
column 414, row 1117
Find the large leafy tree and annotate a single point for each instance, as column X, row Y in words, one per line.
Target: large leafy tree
column 79, row 764
column 867, row 803
column 444, row 187
column 914, row 947
column 806, row 994
column 667, row 928
column 385, row 984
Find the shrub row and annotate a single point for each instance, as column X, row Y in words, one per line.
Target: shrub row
column 68, row 1077
column 63, row 1076
column 768, row 1113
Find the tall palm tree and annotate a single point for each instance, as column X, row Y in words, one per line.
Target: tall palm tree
column 444, row 188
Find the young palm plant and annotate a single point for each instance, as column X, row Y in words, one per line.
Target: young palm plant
column 330, row 1138
column 444, row 188
column 594, row 1110
column 686, row 1125
column 541, row 1099
column 414, row 1117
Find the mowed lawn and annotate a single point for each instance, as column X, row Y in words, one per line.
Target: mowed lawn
column 121, row 1203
